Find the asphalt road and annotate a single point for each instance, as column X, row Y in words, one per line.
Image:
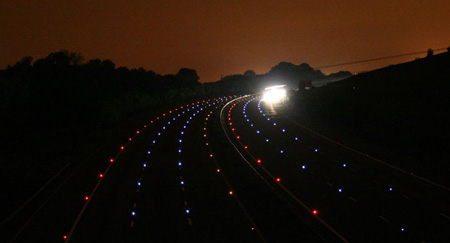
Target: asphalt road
column 234, row 169
column 359, row 197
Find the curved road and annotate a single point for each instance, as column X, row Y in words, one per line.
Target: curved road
column 236, row 169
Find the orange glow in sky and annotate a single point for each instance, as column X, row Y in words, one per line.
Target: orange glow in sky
column 224, row 37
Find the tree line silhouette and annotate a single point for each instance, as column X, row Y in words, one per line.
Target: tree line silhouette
column 59, row 107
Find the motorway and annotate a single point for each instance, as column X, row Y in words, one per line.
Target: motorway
column 359, row 197
column 237, row 169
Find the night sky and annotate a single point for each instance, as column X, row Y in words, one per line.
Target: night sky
column 223, row 37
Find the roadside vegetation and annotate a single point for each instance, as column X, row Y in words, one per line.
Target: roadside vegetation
column 399, row 114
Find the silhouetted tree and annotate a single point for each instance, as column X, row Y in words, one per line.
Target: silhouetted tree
column 430, row 52
column 249, row 73
column 188, row 77
column 25, row 62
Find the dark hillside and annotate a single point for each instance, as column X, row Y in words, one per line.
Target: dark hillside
column 399, row 113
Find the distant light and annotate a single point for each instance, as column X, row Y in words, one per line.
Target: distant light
column 257, row 131
column 100, row 175
column 133, row 213
column 403, row 229
column 179, row 150
column 129, row 139
column 182, row 182
column 274, row 123
column 344, row 165
column 122, row 147
column 245, row 147
column 267, row 140
column 303, row 166
column 137, row 132
column 139, row 183
column 179, row 163
column 390, row 189
column 316, row 150
column 340, row 190
column 283, row 130
column 144, row 165
column 86, row 198
column 230, row 192
column 218, row 170
column 187, row 211
column 148, row 152
column 296, row 138
column 278, row 179
column 111, row 160
column 258, row 161
column 282, row 151
column 315, row 212
column 211, row 155
column 65, row 237
column 238, row 137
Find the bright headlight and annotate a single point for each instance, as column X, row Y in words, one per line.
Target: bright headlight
column 274, row 94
